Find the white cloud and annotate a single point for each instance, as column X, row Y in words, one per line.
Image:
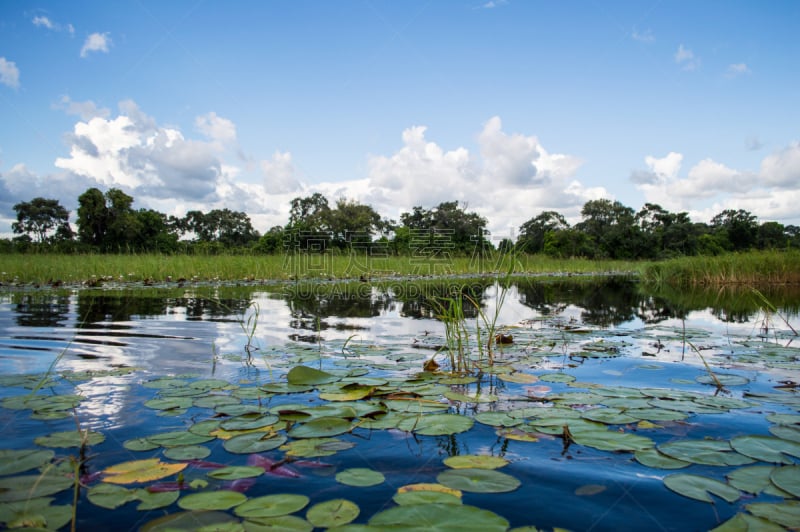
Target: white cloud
column 491, row 4
column 43, row 22
column 738, row 69
column 280, row 174
column 645, row 36
column 96, row 42
column 686, row 58
column 782, row 168
column 86, row 110
column 216, row 128
column 9, row 73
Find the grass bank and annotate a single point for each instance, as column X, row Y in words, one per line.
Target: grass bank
column 85, row 269
column 750, row 268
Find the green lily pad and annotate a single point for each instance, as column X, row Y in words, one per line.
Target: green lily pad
column 700, row 488
column 110, row 496
column 212, row 500
column 316, row 447
column 726, row 379
column 706, row 452
column 360, row 477
column 303, row 375
column 332, row 513
column 234, row 473
column 656, row 414
column 437, row 424
column 191, row 521
column 140, row 444
column 13, row 462
column 787, row 478
column 214, row 401
column 71, row 438
column 478, row 480
column 476, row 461
column 187, row 452
column 255, row 442
column 786, row 432
column 154, row 500
column 653, row 458
column 425, row 497
column 766, row 448
column 785, row 513
column 351, row 392
column 747, row 523
column 321, row 427
column 609, row 416
column 611, row 440
column 497, row 419
column 272, row 506
column 439, row 517
column 26, row 487
column 37, row 512
column 170, row 403
column 178, row 438
column 415, row 406
column 464, row 398
column 282, row 523
column 755, row 480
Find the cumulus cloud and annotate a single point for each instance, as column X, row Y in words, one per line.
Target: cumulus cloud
column 280, row 174
column 86, row 110
column 686, row 58
column 43, row 22
column 9, row 73
column 96, row 42
column 216, row 128
column 782, row 168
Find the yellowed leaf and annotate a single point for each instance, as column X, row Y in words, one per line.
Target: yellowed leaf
column 439, row 488
column 141, row 471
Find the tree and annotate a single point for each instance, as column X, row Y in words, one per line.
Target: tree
column 534, row 231
column 351, row 222
column 224, row 226
column 738, row 229
column 451, row 224
column 666, row 234
column 772, row 235
column 272, row 241
column 612, row 228
column 92, row 217
column 39, row 217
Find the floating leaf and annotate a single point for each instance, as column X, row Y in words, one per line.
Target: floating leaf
column 303, row 375
column 477, row 461
column 13, row 462
column 214, row 401
column 785, row 513
column 140, row 444
column 700, row 488
column 191, row 521
column 178, row 438
column 315, row 447
column 187, row 452
column 26, row 487
column 154, row 500
column 497, row 419
column 437, row 424
column 438, row 517
column 72, row 438
column 747, row 523
column 37, row 512
column 236, row 472
column 332, row 513
column 212, row 500
column 609, row 440
column 110, row 496
column 141, row 471
column 587, row 490
column 478, row 480
column 249, row 421
column 282, row 523
column 256, row 442
column 352, row 392
column 754, row 479
column 706, row 452
column 321, row 427
column 766, row 448
column 787, row 478
column 518, row 378
column 518, row 434
column 464, row 398
column 609, row 416
column 653, row 458
column 360, row 477
column 726, row 379
column 170, row 403
column 272, row 506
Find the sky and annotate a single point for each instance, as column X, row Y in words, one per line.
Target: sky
column 511, row 107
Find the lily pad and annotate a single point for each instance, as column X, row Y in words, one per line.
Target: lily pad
column 178, row 438
column 335, row 512
column 249, row 421
column 497, row 419
column 477, row 461
column 611, row 440
column 13, row 461
column 726, row 379
column 653, row 458
column 154, row 500
column 110, row 496
column 187, row 452
column 478, row 480
column 706, row 452
column 71, row 438
column 439, row 517
column 701, row 488
column 787, row 478
column 785, row 513
column 235, row 473
column 282, row 523
column 37, row 512
column 21, row 488
column 316, row 447
column 303, row 375
column 272, row 506
column 747, row 523
column 766, row 448
column 141, row 471
column 360, row 477
column 191, row 521
column 437, row 424
column 321, row 427
column 212, row 500
column 609, row 416
column 755, row 480
column 256, row 442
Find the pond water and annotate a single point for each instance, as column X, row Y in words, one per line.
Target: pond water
column 292, row 407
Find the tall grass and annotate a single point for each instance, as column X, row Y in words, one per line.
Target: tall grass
column 751, row 268
column 71, row 269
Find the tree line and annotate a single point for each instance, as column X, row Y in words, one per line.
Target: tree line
column 108, row 223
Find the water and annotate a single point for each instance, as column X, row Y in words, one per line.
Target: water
column 602, row 335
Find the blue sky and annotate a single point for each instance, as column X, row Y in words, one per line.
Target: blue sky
column 511, row 107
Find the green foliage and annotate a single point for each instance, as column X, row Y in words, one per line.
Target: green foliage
column 39, row 217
